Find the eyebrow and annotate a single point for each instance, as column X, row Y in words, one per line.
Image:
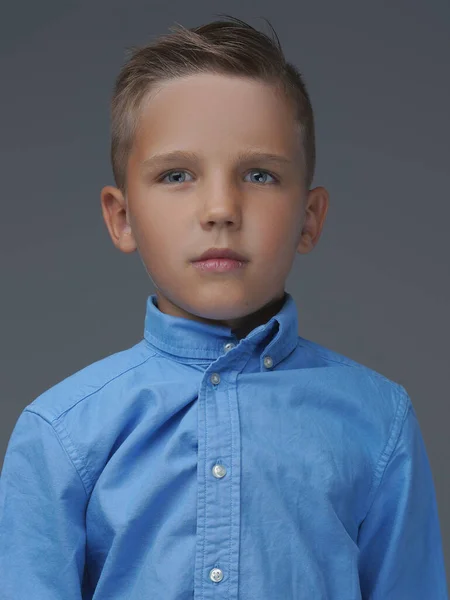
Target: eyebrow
column 180, row 155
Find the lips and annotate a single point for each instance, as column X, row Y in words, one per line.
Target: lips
column 220, row 253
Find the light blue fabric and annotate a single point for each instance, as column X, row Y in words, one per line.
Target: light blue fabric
column 287, row 470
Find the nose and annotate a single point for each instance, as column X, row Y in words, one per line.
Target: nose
column 221, row 206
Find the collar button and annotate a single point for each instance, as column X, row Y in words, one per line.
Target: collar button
column 268, row 362
column 227, row 347
column 215, row 378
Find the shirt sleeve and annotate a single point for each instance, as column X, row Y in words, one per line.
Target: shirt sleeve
column 42, row 507
column 400, row 542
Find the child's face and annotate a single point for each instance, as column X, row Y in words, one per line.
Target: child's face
column 215, row 199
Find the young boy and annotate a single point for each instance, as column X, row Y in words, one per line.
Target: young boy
column 222, row 456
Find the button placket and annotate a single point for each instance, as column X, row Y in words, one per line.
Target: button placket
column 218, row 508
column 218, row 470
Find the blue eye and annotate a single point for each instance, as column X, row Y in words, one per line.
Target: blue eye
column 170, row 173
column 264, row 173
column 181, row 172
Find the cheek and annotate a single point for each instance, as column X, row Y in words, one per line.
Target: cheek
column 157, row 225
column 277, row 234
column 163, row 241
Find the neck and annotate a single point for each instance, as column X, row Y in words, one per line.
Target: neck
column 261, row 316
column 240, row 327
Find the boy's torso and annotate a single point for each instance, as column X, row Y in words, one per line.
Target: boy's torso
column 224, row 475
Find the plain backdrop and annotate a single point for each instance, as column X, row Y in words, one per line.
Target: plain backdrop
column 375, row 288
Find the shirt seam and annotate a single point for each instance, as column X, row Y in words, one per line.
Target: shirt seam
column 161, row 345
column 62, row 434
column 403, row 409
column 66, row 451
column 187, row 360
column 60, row 415
column 346, row 362
column 76, row 457
column 179, row 359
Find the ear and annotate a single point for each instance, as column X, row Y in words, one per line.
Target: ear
column 116, row 217
column 315, row 212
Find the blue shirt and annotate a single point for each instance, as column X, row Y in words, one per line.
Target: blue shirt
column 199, row 465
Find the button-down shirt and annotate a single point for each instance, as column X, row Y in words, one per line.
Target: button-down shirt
column 199, row 465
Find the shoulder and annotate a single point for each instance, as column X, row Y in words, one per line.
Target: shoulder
column 374, row 393
column 331, row 358
column 87, row 382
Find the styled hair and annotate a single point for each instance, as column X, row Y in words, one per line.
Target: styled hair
column 221, row 47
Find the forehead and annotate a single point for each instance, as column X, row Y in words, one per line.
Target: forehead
column 216, row 114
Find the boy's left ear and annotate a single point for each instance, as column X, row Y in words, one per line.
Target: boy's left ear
column 116, row 217
column 315, row 212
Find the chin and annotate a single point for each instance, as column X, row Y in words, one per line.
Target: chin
column 226, row 301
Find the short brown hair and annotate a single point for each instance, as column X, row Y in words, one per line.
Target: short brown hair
column 226, row 47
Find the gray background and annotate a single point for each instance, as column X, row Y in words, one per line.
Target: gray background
column 376, row 288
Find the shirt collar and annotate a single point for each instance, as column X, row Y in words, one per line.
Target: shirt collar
column 188, row 339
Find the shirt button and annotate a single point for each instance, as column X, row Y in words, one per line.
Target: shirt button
column 219, row 471
column 215, row 378
column 268, row 362
column 216, row 575
column 227, row 347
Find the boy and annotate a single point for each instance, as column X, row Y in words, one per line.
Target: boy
column 222, row 456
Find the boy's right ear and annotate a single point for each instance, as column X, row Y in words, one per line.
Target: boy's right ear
column 116, row 217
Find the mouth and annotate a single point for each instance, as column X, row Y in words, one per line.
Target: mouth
column 221, row 253
column 220, row 260
column 219, row 265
